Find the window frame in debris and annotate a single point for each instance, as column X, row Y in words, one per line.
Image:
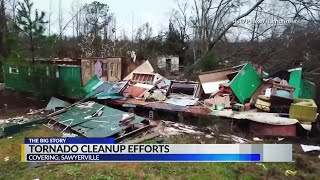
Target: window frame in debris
column 13, row 68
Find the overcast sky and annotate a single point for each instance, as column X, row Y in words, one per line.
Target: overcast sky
column 156, row 12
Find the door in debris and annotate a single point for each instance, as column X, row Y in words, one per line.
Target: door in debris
column 86, row 70
column 114, row 66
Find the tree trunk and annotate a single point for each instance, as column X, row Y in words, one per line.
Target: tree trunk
column 32, row 48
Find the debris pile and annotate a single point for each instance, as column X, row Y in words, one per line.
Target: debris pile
column 274, row 105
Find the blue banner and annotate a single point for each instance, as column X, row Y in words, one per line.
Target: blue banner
column 145, row 157
column 59, row 140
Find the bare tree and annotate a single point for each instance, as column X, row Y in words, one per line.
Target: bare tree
column 60, row 19
column 49, row 18
column 180, row 19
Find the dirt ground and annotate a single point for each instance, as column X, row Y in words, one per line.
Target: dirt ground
column 306, row 165
column 14, row 104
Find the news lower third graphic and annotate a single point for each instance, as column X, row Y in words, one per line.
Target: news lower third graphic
column 104, row 150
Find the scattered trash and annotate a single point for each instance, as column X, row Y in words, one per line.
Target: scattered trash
column 69, row 135
column 290, row 173
column 86, row 105
column 10, row 137
column 35, row 111
column 308, row 148
column 168, row 128
column 208, row 136
column 257, row 139
column 15, row 120
column 240, row 92
column 235, row 139
column 6, row 159
column 264, row 167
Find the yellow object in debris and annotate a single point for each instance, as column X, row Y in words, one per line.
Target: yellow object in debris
column 290, row 173
column 263, row 97
column 263, row 105
column 303, row 110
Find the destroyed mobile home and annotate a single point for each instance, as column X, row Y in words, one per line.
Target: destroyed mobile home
column 274, row 105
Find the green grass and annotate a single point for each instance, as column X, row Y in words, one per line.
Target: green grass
column 307, row 167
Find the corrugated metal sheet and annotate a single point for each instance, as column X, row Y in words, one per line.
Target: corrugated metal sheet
column 93, row 84
column 48, row 79
column 104, row 126
column 106, row 95
column 55, row 102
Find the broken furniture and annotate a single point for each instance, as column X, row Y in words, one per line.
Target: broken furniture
column 243, row 81
column 303, row 110
column 303, row 88
column 147, row 78
column 281, row 98
column 189, row 88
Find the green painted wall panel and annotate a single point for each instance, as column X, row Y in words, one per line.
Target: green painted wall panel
column 295, row 81
column 245, row 83
column 307, row 90
column 68, row 83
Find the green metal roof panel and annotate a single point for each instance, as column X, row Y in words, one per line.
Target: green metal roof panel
column 104, row 126
column 245, row 83
column 92, row 84
column 105, row 95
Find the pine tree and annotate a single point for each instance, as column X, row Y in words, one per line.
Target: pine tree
column 3, row 31
column 32, row 27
